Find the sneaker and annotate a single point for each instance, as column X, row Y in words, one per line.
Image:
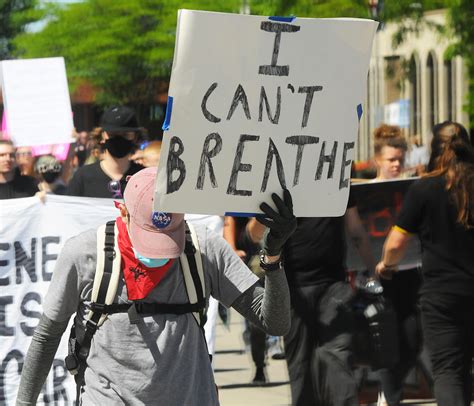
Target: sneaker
column 260, row 378
column 381, row 401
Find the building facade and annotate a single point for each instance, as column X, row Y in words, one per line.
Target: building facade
column 412, row 85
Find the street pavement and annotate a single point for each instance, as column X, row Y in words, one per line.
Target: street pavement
column 234, row 371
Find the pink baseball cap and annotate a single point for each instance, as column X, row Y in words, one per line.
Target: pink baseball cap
column 154, row 234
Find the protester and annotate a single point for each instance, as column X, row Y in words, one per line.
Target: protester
column 318, row 347
column 118, row 135
column 389, row 152
column 12, row 184
column 48, row 172
column 159, row 358
column 80, row 149
column 25, row 160
column 438, row 208
column 241, row 241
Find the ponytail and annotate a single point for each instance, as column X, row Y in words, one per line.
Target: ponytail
column 452, row 156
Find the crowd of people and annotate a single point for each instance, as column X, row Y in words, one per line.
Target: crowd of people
column 286, row 275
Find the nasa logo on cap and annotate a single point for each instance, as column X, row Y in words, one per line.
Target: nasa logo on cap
column 160, row 219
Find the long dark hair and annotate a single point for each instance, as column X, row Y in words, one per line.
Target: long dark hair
column 452, row 156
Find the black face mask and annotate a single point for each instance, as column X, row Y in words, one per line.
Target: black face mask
column 119, row 146
column 50, row 177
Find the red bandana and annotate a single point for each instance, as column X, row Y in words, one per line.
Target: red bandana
column 140, row 279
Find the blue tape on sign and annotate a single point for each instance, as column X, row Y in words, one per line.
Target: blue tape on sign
column 359, row 111
column 169, row 111
column 239, row 214
column 282, row 19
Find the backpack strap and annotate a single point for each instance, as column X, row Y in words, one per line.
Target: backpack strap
column 193, row 272
column 106, row 280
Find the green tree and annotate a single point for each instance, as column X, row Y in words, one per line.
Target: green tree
column 123, row 48
column 13, row 22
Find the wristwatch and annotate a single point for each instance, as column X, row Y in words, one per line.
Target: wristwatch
column 270, row 267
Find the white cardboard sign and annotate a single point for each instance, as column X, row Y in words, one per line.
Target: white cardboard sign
column 259, row 104
column 36, row 100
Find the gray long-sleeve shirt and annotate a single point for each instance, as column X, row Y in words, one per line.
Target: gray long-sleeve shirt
column 163, row 358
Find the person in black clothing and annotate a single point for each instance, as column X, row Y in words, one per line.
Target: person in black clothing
column 438, row 208
column 244, row 234
column 118, row 135
column 12, row 184
column 318, row 347
column 48, row 170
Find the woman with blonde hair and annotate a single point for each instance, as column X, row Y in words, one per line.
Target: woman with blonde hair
column 439, row 208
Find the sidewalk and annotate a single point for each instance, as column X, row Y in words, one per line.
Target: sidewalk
column 234, row 372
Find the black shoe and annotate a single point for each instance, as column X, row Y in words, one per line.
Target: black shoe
column 260, row 378
column 278, row 355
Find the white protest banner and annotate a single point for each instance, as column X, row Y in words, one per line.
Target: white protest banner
column 36, row 99
column 31, row 237
column 261, row 103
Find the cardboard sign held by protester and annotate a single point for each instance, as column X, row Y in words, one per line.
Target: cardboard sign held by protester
column 37, row 103
column 257, row 104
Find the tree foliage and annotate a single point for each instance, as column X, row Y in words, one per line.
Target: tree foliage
column 13, row 22
column 123, row 48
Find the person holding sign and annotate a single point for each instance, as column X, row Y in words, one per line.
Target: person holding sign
column 389, row 153
column 118, row 135
column 439, row 209
column 146, row 351
column 318, row 347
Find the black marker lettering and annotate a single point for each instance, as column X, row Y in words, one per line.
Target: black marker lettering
column 301, row 141
column 263, row 98
column 4, row 329
column 331, row 159
column 4, row 246
column 273, row 152
column 206, row 160
column 209, row 116
column 309, row 90
column 239, row 96
column 343, row 181
column 22, row 260
column 45, row 241
column 277, row 28
column 240, row 167
column 175, row 163
column 30, row 296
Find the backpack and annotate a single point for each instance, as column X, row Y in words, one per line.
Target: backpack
column 104, row 289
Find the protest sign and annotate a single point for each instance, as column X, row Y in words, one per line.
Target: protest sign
column 36, row 99
column 31, row 237
column 378, row 204
column 257, row 104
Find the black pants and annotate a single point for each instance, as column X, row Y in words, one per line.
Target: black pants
column 448, row 329
column 318, row 346
column 258, row 344
column 402, row 291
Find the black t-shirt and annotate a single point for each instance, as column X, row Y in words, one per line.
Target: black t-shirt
column 20, row 186
column 92, row 181
column 315, row 253
column 448, row 248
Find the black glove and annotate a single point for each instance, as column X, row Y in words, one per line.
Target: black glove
column 280, row 225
